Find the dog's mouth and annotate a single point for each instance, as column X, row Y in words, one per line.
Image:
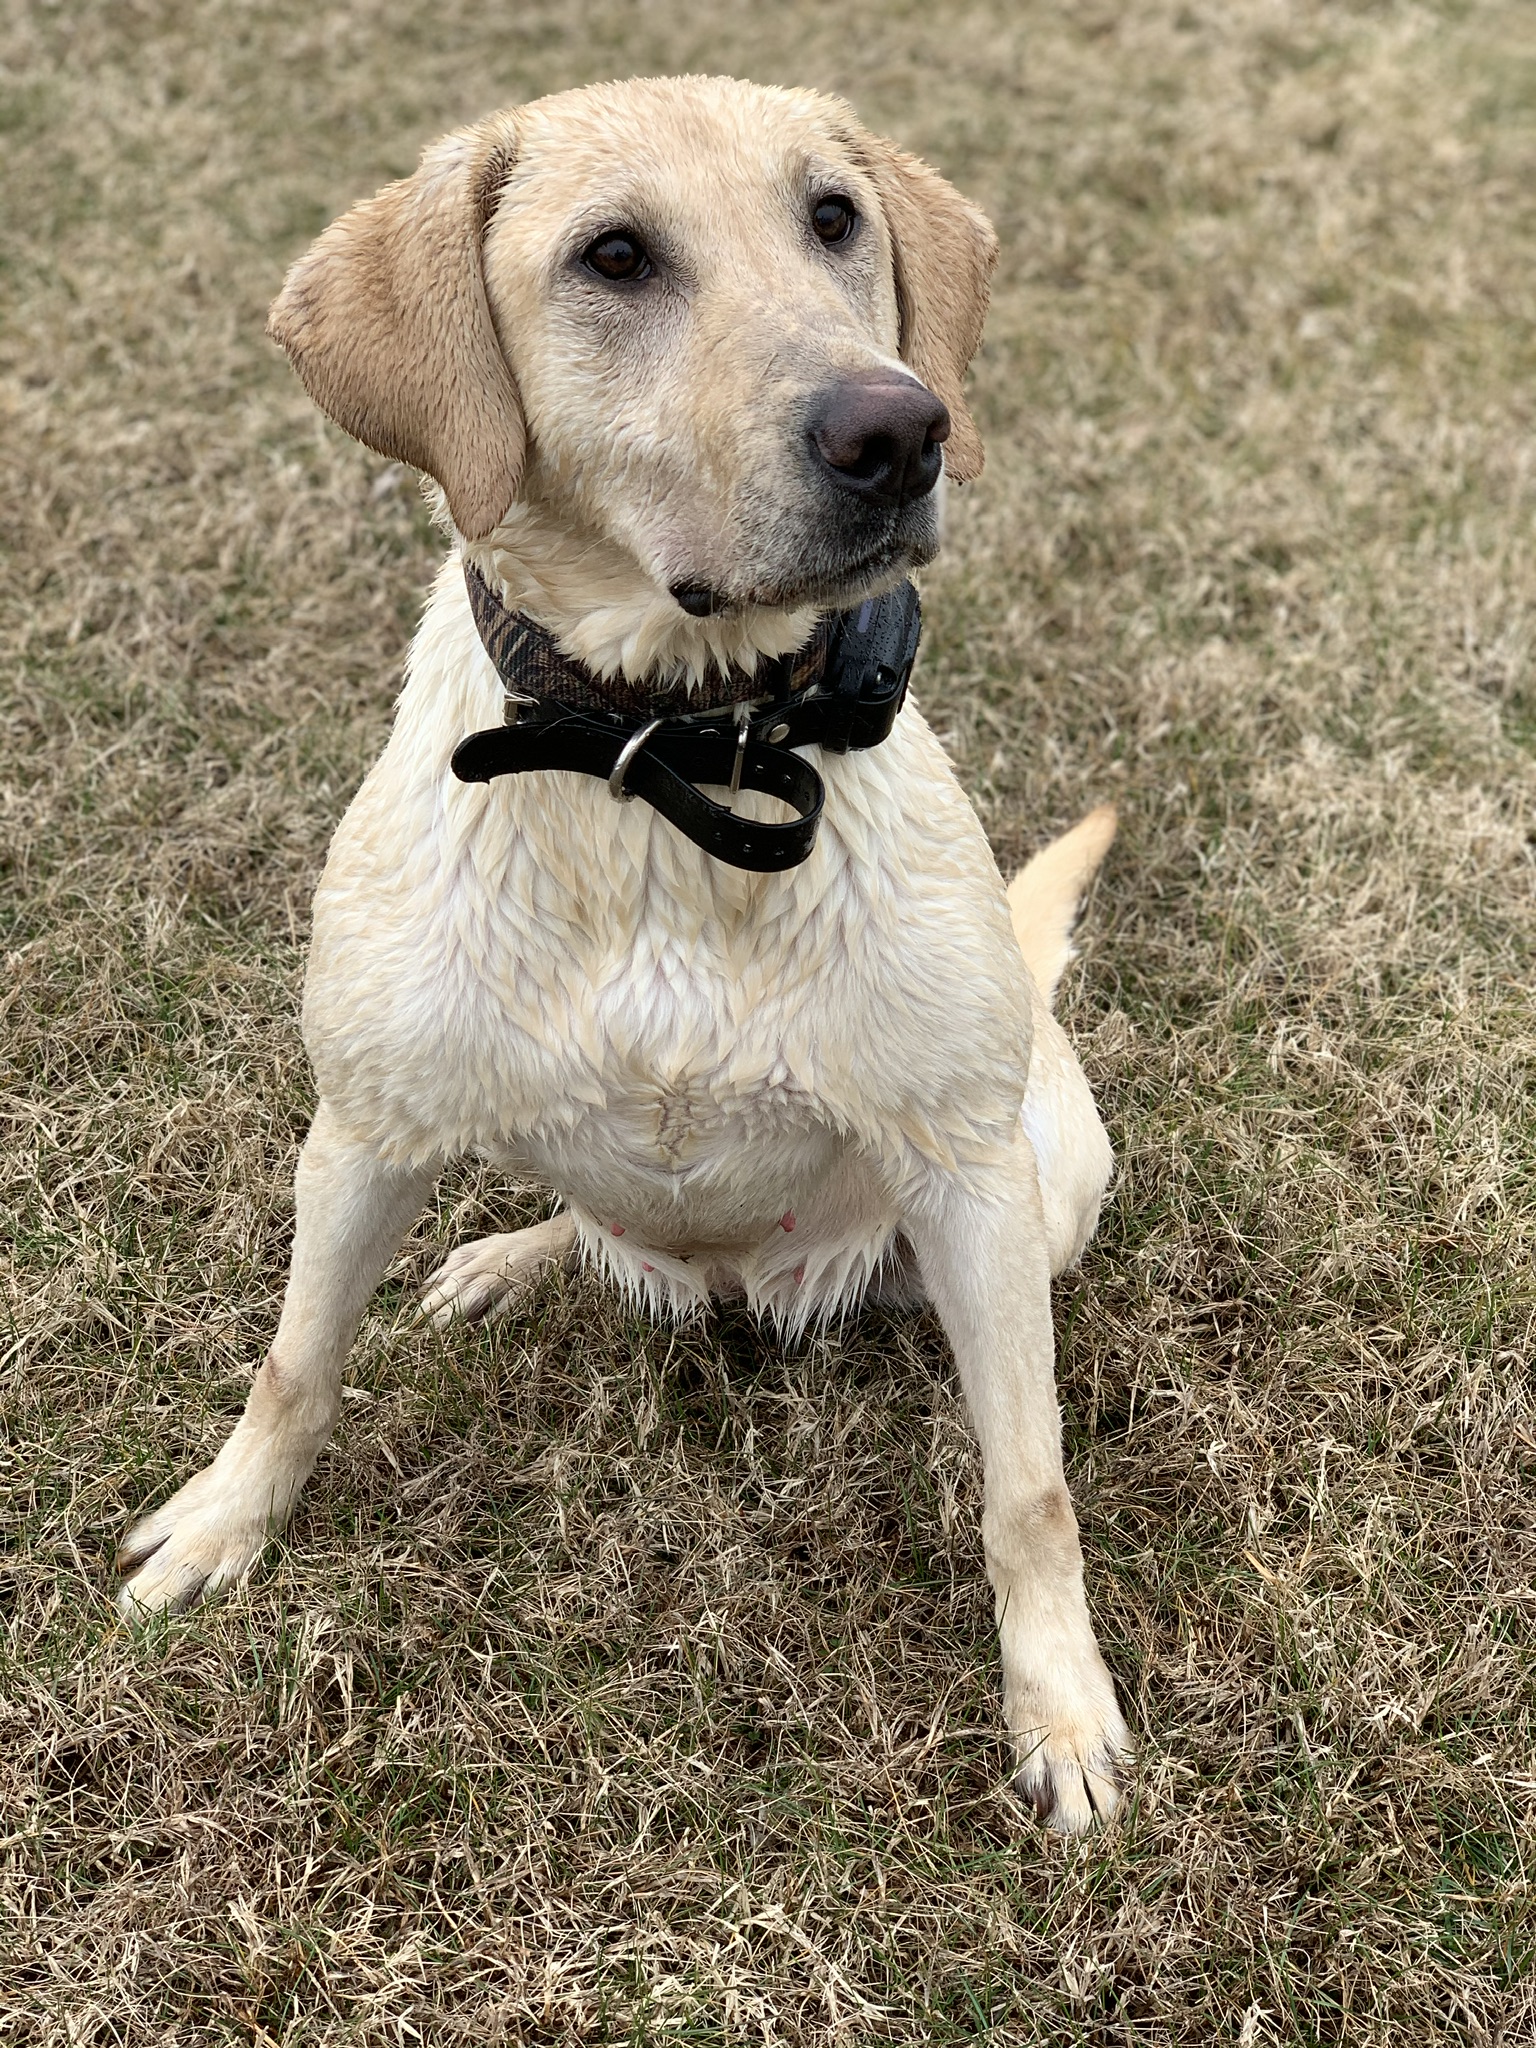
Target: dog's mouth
column 829, row 585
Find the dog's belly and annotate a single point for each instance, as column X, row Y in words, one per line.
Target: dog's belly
column 679, row 1200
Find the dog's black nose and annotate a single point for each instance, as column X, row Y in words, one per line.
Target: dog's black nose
column 878, row 435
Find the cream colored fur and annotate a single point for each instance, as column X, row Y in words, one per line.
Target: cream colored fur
column 792, row 1088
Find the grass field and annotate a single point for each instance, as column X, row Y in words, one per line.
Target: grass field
column 619, row 1684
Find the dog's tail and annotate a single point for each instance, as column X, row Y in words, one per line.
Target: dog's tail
column 1044, row 895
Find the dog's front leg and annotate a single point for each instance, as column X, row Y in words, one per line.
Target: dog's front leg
column 351, row 1211
column 980, row 1239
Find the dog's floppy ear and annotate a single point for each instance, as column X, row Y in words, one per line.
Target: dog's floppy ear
column 386, row 320
column 945, row 252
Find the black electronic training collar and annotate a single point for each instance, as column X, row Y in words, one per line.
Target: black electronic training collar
column 841, row 691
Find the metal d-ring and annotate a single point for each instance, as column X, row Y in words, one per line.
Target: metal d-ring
column 743, row 726
column 627, row 753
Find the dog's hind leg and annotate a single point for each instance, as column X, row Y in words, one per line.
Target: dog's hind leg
column 352, row 1209
column 1071, row 1146
column 490, row 1276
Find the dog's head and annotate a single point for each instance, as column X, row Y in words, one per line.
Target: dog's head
column 720, row 326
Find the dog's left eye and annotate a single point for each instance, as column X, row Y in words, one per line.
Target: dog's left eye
column 620, row 258
column 833, row 218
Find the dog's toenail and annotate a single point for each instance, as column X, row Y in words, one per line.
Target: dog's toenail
column 617, row 1229
column 799, row 1276
column 646, row 1266
column 787, row 1220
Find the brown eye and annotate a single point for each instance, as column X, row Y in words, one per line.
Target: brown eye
column 833, row 218
column 620, row 258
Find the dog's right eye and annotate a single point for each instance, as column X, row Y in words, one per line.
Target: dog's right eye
column 620, row 258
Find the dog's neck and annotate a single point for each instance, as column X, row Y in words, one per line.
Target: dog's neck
column 606, row 613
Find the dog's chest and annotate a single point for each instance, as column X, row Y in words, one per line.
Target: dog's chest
column 673, row 1040
column 535, row 968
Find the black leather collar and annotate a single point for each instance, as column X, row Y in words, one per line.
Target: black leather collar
column 841, row 691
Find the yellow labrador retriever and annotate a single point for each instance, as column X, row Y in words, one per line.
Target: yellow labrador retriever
column 684, row 357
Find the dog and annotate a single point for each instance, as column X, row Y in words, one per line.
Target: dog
column 683, row 361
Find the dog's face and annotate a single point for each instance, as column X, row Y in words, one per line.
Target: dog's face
column 719, row 326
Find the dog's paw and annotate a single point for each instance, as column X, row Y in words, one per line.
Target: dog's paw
column 1073, row 1755
column 202, row 1541
column 488, row 1277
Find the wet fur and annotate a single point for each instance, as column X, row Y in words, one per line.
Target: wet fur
column 793, row 1088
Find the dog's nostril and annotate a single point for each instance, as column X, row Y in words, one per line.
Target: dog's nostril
column 867, row 459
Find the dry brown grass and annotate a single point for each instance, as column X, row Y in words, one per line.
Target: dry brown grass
column 618, row 1685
